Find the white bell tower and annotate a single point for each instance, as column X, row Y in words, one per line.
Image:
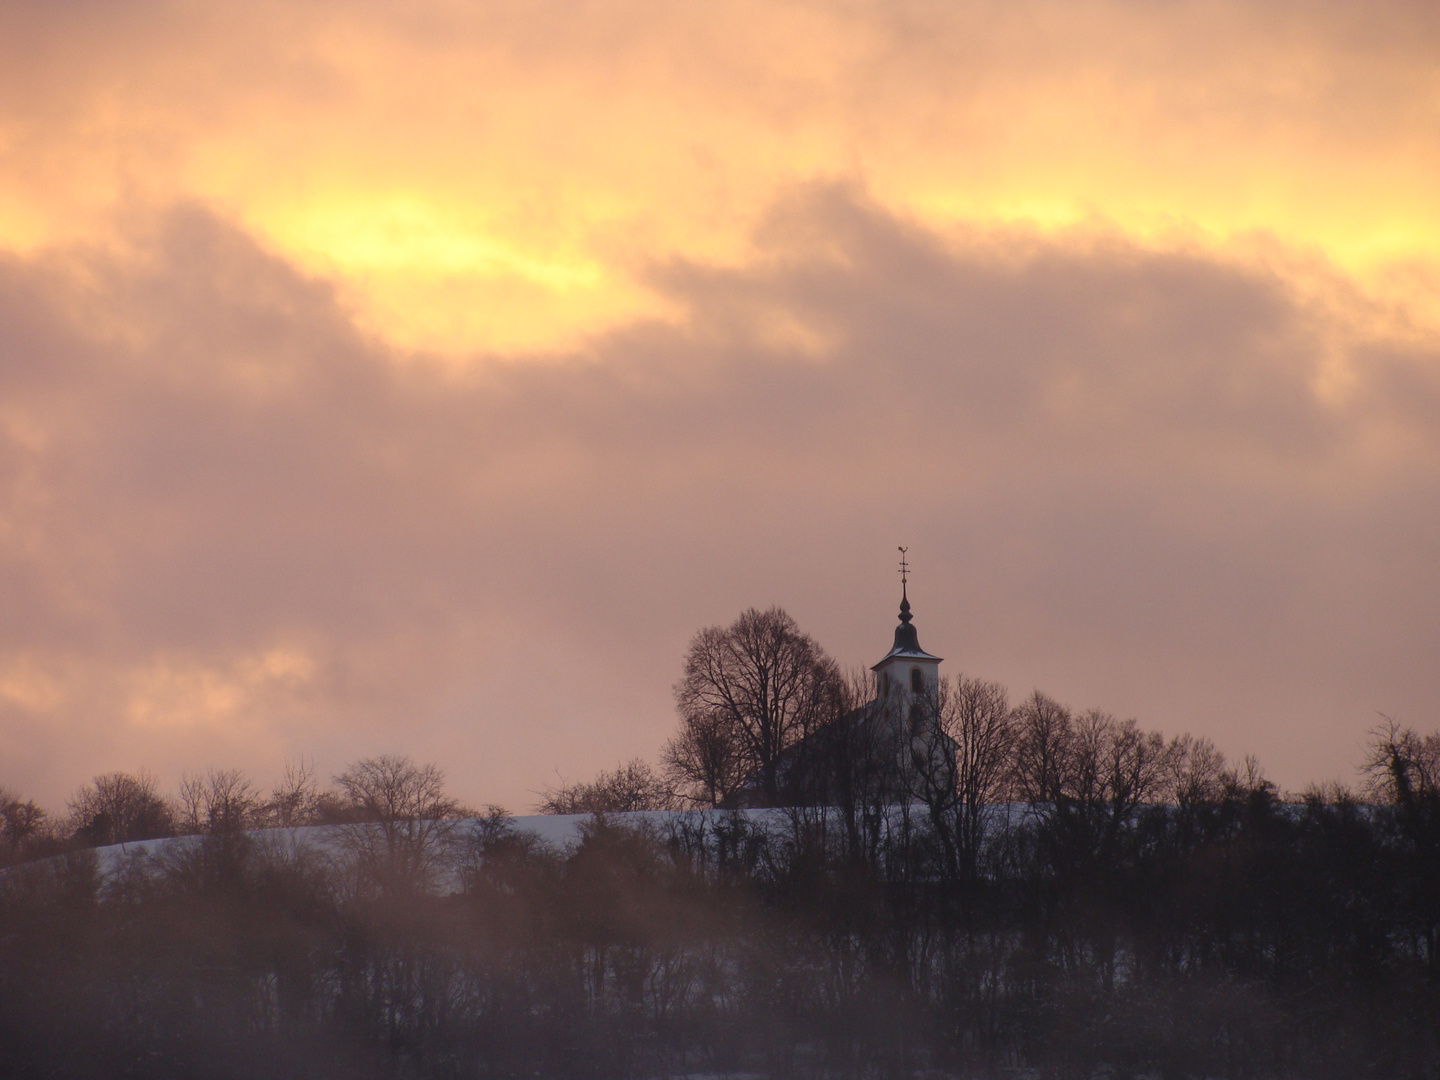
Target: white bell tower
column 907, row 675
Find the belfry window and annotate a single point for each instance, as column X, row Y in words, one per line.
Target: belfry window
column 917, row 681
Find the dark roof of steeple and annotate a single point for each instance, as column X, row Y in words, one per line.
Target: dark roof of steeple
column 907, row 638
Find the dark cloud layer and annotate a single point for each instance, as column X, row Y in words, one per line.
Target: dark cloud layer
column 233, row 529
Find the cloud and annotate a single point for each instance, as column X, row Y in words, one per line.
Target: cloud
column 491, row 177
column 234, row 527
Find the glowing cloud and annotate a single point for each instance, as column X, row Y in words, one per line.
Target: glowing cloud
column 1123, row 315
column 500, row 176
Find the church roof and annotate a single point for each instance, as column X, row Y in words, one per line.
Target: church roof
column 907, row 638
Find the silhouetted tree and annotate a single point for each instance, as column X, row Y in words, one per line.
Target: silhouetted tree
column 296, row 797
column 1402, row 767
column 119, row 807
column 1284, row 941
column 963, row 778
column 631, row 786
column 761, row 685
column 1195, row 771
column 703, row 760
column 1152, row 912
column 24, row 829
column 221, row 801
column 1040, row 767
column 401, row 821
column 853, row 765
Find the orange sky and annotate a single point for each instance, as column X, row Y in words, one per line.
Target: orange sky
column 497, row 176
column 328, row 321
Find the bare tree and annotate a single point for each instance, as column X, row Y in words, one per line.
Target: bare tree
column 1195, row 771
column 403, row 821
column 967, row 772
column 119, row 807
column 1045, row 731
column 1085, row 778
column 18, row 820
column 190, row 805
column 1249, row 781
column 1401, row 766
column 1403, row 769
column 22, row 826
column 232, row 803
column 631, row 786
column 1133, row 764
column 295, row 798
column 854, row 765
column 1093, row 760
column 221, row 801
column 703, row 760
column 762, row 684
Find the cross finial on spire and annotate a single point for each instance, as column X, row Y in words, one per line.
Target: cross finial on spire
column 904, row 577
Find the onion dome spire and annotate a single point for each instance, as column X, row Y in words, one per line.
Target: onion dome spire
column 907, row 648
column 907, row 638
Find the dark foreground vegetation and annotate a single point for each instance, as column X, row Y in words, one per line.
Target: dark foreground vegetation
column 1215, row 932
column 960, row 888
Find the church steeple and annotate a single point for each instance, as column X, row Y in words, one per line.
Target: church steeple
column 907, row 638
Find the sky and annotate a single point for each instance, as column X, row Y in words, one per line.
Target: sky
column 384, row 377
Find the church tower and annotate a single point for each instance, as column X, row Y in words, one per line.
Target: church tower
column 907, row 676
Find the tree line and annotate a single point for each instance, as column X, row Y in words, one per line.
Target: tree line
column 1237, row 936
column 1075, row 897
column 768, row 718
column 120, row 807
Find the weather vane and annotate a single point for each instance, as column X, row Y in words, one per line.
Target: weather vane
column 904, row 567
